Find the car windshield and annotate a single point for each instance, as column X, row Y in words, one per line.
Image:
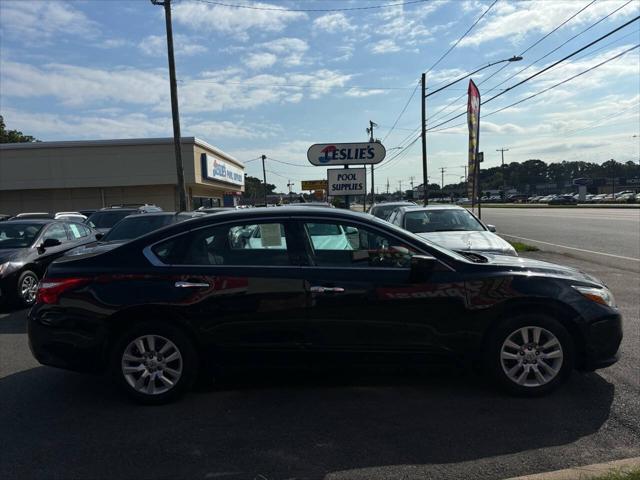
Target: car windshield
column 18, row 235
column 383, row 211
column 107, row 219
column 134, row 227
column 445, row 220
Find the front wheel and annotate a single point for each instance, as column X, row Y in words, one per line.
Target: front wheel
column 27, row 288
column 530, row 355
column 154, row 363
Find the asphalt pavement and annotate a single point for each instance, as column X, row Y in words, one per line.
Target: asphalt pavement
column 388, row 425
column 602, row 234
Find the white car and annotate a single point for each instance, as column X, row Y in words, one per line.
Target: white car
column 72, row 216
column 452, row 227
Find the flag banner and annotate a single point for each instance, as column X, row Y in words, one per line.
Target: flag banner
column 473, row 121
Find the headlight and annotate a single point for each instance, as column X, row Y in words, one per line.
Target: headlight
column 599, row 295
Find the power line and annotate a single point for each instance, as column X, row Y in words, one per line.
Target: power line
column 540, row 72
column 521, row 54
column 289, row 163
column 279, row 9
column 291, row 85
column 550, row 88
column 436, row 63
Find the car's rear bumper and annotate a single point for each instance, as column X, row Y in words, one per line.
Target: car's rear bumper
column 58, row 342
column 603, row 338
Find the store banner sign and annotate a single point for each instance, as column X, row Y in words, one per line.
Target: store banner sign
column 216, row 169
column 473, row 121
column 328, row 154
column 347, row 181
column 314, row 184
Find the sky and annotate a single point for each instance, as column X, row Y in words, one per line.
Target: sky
column 274, row 80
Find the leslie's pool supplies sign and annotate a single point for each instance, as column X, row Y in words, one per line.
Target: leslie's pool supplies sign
column 328, row 154
column 347, row 181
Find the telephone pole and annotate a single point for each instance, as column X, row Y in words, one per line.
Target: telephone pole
column 442, row 169
column 289, row 184
column 181, row 188
column 425, row 178
column 504, row 179
column 371, row 140
column 264, row 178
column 387, row 185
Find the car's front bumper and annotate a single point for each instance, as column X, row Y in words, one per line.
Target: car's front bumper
column 603, row 338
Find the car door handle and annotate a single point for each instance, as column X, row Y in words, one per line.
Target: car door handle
column 191, row 285
column 326, row 289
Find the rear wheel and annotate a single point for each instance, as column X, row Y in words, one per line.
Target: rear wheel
column 27, row 288
column 154, row 363
column 530, row 355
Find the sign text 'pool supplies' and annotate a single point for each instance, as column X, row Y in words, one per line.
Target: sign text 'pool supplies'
column 343, row 181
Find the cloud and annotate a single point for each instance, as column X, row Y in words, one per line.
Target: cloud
column 515, row 20
column 156, row 46
column 237, row 22
column 209, row 129
column 229, row 89
column 356, row 92
column 258, row 61
column 43, row 21
column 385, row 46
column 334, row 22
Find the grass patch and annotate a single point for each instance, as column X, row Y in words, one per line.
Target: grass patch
column 523, row 247
column 633, row 474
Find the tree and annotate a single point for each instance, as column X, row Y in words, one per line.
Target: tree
column 253, row 188
column 13, row 136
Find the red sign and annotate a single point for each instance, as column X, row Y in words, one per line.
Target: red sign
column 473, row 121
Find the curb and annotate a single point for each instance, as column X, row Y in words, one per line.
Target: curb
column 585, row 472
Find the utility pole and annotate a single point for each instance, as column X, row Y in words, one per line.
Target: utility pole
column 504, row 179
column 387, row 185
column 181, row 188
column 425, row 179
column 264, row 178
column 442, row 169
column 371, row 140
column 400, row 186
column 289, row 184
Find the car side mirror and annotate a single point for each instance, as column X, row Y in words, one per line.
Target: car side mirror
column 48, row 243
column 421, row 267
column 99, row 236
column 492, row 228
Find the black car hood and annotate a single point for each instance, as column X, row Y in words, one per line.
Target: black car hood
column 8, row 254
column 540, row 268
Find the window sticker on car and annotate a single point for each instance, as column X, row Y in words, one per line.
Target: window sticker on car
column 270, row 234
column 75, row 230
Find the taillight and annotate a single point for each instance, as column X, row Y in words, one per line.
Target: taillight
column 50, row 289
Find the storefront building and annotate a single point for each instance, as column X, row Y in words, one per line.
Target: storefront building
column 76, row 175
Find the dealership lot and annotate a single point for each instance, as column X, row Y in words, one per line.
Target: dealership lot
column 389, row 425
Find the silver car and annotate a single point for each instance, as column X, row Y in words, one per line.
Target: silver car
column 452, row 227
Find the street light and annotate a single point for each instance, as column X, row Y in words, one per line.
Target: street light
column 424, row 113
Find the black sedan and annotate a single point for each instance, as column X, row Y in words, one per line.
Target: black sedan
column 27, row 247
column 315, row 287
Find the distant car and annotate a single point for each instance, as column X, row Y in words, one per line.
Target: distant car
column 104, row 219
column 382, row 210
column 27, row 247
column 452, row 227
column 133, row 226
column 518, row 198
column 33, row 215
column 562, row 200
column 72, row 216
column 4, row 217
column 88, row 212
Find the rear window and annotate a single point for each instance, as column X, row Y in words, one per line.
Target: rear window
column 107, row 219
column 134, row 227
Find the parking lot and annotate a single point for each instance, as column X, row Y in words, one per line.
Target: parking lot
column 57, row 424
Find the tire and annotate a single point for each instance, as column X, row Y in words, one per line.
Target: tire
column 533, row 366
column 26, row 288
column 154, row 363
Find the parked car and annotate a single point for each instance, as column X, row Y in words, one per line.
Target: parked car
column 518, row 198
column 4, row 217
column 33, row 215
column 452, row 227
column 562, row 200
column 87, row 212
column 73, row 216
column 181, row 302
column 133, row 226
column 105, row 218
column 382, row 210
column 27, row 247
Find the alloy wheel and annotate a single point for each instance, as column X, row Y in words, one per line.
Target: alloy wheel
column 152, row 364
column 531, row 356
column 28, row 289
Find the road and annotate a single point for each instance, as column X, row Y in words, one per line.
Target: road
column 614, row 232
column 61, row 425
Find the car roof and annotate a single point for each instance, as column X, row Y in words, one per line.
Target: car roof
column 42, row 221
column 432, row 207
column 399, row 202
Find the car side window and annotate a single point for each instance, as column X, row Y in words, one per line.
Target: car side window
column 57, row 232
column 351, row 245
column 259, row 244
column 76, row 231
